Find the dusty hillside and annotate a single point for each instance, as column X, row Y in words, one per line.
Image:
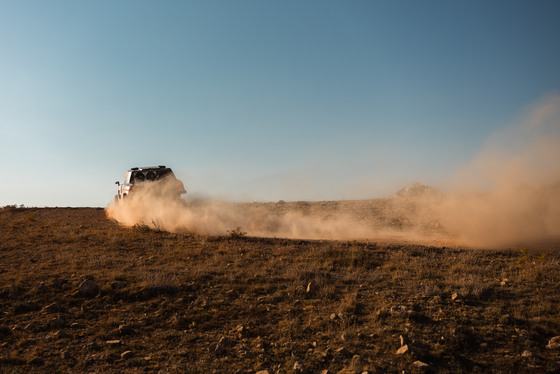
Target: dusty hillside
column 79, row 293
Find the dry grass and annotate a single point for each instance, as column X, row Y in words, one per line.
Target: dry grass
column 186, row 303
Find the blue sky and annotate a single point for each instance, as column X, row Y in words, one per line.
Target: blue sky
column 261, row 100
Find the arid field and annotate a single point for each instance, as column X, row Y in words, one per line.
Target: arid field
column 81, row 293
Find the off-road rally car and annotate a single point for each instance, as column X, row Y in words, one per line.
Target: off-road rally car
column 158, row 180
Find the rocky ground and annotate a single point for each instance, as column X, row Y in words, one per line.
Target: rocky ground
column 79, row 293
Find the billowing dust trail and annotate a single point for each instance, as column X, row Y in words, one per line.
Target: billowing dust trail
column 508, row 195
column 510, row 191
column 219, row 218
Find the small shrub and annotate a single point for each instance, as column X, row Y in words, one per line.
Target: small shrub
column 525, row 259
column 237, row 233
column 155, row 227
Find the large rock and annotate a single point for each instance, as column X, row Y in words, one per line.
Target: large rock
column 88, row 288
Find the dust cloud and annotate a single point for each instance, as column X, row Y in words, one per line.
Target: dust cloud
column 218, row 218
column 507, row 195
column 510, row 192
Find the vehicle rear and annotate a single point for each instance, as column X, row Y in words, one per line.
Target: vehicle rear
column 158, row 180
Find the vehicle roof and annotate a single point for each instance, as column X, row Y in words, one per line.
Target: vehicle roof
column 142, row 168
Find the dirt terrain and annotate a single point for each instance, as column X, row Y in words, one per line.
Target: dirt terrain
column 81, row 293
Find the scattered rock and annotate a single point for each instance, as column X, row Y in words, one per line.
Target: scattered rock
column 504, row 282
column 88, row 288
column 402, row 350
column 299, row 368
column 457, row 297
column 240, row 329
column 127, row 355
column 312, row 288
column 554, row 343
column 333, row 316
column 420, row 364
column 527, row 354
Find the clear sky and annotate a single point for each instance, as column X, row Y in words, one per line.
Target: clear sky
column 261, row 100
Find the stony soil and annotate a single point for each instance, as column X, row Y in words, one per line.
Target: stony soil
column 79, row 293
